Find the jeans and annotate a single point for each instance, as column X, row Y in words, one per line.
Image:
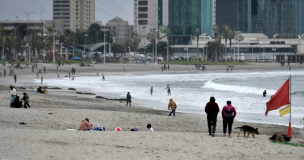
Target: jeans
column 211, row 122
column 173, row 111
column 26, row 104
column 128, row 102
column 13, row 97
column 229, row 122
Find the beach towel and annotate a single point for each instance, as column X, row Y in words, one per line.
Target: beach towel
column 287, row 143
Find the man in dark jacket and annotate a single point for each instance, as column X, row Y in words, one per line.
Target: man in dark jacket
column 212, row 110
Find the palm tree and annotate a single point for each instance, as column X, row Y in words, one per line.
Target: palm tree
column 168, row 32
column 219, row 45
column 52, row 34
column 2, row 38
column 152, row 37
column 135, row 41
column 69, row 37
column 225, row 28
column 230, row 37
column 215, row 29
column 238, row 38
column 197, row 38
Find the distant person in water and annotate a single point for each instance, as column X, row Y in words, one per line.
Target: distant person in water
column 124, row 69
column 103, row 77
column 264, row 93
column 41, row 79
column 151, row 90
column 128, row 99
column 168, row 89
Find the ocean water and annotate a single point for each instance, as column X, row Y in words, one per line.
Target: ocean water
column 191, row 91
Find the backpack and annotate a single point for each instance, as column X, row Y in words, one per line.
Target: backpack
column 229, row 113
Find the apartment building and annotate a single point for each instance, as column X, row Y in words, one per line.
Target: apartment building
column 76, row 15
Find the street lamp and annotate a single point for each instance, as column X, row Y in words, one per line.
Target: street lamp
column 73, row 50
column 129, row 49
column 96, row 34
column 156, row 46
column 85, row 42
column 61, row 48
column 186, row 49
column 273, row 50
column 104, row 45
column 144, row 27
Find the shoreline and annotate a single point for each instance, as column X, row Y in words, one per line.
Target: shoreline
column 50, row 115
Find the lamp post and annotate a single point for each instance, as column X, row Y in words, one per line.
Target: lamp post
column 186, row 49
column 104, row 45
column 61, row 49
column 85, row 42
column 73, row 50
column 96, row 34
column 156, row 46
column 129, row 49
column 144, row 27
column 54, row 48
column 273, row 50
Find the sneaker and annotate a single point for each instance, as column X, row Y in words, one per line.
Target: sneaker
column 212, row 135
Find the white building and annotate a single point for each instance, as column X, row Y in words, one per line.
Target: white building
column 254, row 46
column 149, row 15
column 74, row 14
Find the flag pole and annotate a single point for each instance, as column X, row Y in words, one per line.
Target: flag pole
column 289, row 128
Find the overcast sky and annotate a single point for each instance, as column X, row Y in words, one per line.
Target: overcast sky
column 43, row 9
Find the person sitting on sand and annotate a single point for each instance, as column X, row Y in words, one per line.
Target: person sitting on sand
column 173, row 106
column 17, row 103
column 149, row 126
column 85, row 125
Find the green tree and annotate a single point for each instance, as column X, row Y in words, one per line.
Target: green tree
column 226, row 29
column 152, row 36
column 52, row 34
column 70, row 39
column 135, row 40
column 197, row 39
column 215, row 29
column 117, row 48
column 162, row 49
column 230, row 37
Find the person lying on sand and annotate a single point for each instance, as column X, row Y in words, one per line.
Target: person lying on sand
column 84, row 125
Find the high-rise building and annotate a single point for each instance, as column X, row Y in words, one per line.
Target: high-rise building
column 149, row 15
column 75, row 14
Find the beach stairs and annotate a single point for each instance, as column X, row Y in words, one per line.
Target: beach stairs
column 58, row 57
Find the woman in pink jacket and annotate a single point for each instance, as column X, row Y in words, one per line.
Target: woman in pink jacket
column 228, row 114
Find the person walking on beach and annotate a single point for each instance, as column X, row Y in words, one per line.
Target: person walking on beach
column 26, row 101
column 103, row 77
column 4, row 72
column 13, row 93
column 228, row 115
column 15, row 78
column 128, row 99
column 264, row 93
column 168, row 89
column 32, row 68
column 37, row 74
column 212, row 110
column 41, row 79
column 172, row 106
column 58, row 76
column 151, row 90
column 97, row 73
column 44, row 69
column 124, row 69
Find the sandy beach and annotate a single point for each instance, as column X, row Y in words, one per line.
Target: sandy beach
column 45, row 135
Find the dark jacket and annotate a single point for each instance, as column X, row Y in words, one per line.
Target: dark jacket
column 17, row 104
column 25, row 98
column 128, row 97
column 212, row 109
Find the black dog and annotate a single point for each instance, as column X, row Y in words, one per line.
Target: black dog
column 248, row 129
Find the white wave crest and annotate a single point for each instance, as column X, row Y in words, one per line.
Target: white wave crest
column 239, row 89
